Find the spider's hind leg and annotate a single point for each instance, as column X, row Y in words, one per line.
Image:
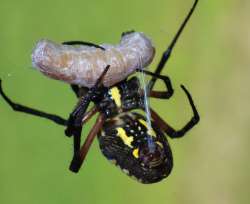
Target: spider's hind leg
column 189, row 125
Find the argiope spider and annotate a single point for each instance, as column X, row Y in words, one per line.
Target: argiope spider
column 123, row 133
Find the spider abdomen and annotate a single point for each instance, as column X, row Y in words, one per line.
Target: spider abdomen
column 141, row 152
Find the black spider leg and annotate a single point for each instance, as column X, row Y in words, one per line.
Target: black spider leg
column 74, row 126
column 167, row 53
column 83, row 43
column 79, row 91
column 75, row 89
column 75, row 118
column 21, row 108
column 189, row 125
column 78, row 159
column 159, row 94
column 127, row 32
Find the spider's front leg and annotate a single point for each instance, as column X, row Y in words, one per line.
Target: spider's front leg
column 75, row 118
column 166, row 54
column 159, row 94
column 79, row 90
column 90, row 44
column 78, row 117
column 79, row 158
column 74, row 125
column 32, row 111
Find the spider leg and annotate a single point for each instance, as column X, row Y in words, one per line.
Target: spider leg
column 77, row 142
column 21, row 108
column 83, row 43
column 75, row 118
column 127, row 32
column 160, row 94
column 79, row 91
column 167, row 53
column 77, row 133
column 189, row 125
column 75, row 89
column 78, row 117
column 78, row 160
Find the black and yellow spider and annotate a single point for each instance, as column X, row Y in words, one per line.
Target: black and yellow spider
column 122, row 132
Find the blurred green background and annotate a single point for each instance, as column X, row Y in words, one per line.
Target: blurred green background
column 211, row 164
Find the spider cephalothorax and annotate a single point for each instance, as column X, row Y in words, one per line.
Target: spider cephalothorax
column 122, row 97
column 125, row 137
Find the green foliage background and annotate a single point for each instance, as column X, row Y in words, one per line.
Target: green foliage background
column 211, row 58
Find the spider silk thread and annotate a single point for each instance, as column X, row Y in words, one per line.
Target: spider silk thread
column 150, row 141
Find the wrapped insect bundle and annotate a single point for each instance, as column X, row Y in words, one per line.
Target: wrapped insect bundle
column 82, row 64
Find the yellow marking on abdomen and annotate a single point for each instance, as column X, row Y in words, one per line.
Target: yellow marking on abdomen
column 160, row 144
column 125, row 138
column 150, row 129
column 116, row 96
column 136, row 153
